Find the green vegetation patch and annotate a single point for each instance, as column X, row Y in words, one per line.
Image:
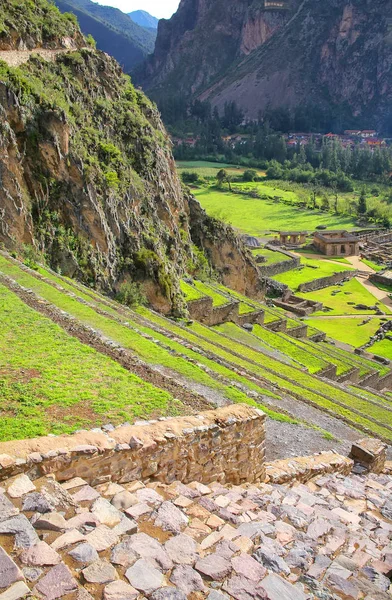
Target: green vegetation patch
column 342, row 299
column 291, row 348
column 256, row 216
column 52, row 383
column 208, row 290
column 270, row 256
column 191, row 292
column 347, row 330
column 310, row 269
column 383, row 348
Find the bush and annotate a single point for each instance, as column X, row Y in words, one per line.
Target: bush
column 249, row 175
column 131, row 295
column 189, row 177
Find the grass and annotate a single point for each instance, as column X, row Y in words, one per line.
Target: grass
column 314, row 252
column 346, row 330
column 210, row 169
column 270, row 256
column 341, row 300
column 208, row 290
column 373, row 265
column 131, row 339
column 291, row 348
column 52, row 383
column 238, row 334
column 300, row 383
column 265, row 368
column 310, row 269
column 263, row 338
column 383, row 348
column 256, row 216
column 190, row 292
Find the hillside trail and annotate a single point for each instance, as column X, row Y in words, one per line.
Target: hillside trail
column 15, row 58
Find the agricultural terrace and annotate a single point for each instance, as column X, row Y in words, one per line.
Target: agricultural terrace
column 342, row 300
column 309, row 270
column 270, row 256
column 52, row 383
column 348, row 330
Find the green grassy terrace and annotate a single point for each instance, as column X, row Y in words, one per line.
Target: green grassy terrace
column 346, row 329
column 341, row 300
column 52, row 383
column 310, row 269
column 270, row 256
column 130, row 337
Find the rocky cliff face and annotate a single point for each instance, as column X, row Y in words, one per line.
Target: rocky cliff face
column 327, row 52
column 87, row 177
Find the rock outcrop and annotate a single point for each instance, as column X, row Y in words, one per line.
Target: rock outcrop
column 87, row 174
column 335, row 55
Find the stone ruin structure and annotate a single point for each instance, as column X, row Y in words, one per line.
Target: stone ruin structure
column 336, row 243
column 187, row 508
column 292, row 238
column 378, row 247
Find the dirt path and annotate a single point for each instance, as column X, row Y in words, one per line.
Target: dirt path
column 15, row 58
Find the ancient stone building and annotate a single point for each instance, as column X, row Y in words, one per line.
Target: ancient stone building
column 336, row 243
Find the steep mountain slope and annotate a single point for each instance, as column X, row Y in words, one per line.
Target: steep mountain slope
column 326, row 52
column 114, row 31
column 144, row 19
column 87, row 174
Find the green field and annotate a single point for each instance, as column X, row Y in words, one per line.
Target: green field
column 310, row 269
column 342, row 299
column 383, row 348
column 255, row 216
column 271, row 256
column 210, row 169
column 52, row 383
column 347, row 330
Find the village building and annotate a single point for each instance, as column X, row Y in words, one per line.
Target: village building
column 336, row 243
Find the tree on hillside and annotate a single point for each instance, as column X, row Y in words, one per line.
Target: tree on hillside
column 223, row 177
column 362, row 204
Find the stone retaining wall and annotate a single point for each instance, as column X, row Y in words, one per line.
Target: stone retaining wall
column 255, row 317
column 298, row 332
column 203, row 310
column 292, row 262
column 225, row 445
column 323, row 282
column 303, row 468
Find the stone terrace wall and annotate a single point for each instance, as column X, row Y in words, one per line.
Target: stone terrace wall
column 292, row 262
column 202, row 310
column 323, row 282
column 225, row 445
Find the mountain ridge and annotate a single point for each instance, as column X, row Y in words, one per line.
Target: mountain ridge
column 114, row 31
column 144, row 19
column 331, row 54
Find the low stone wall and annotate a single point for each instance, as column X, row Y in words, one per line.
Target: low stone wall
column 203, row 310
column 303, row 309
column 225, row 445
column 323, row 282
column 303, row 468
column 199, row 310
column 255, row 317
column 222, row 314
column 383, row 278
column 298, row 332
column 292, row 262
